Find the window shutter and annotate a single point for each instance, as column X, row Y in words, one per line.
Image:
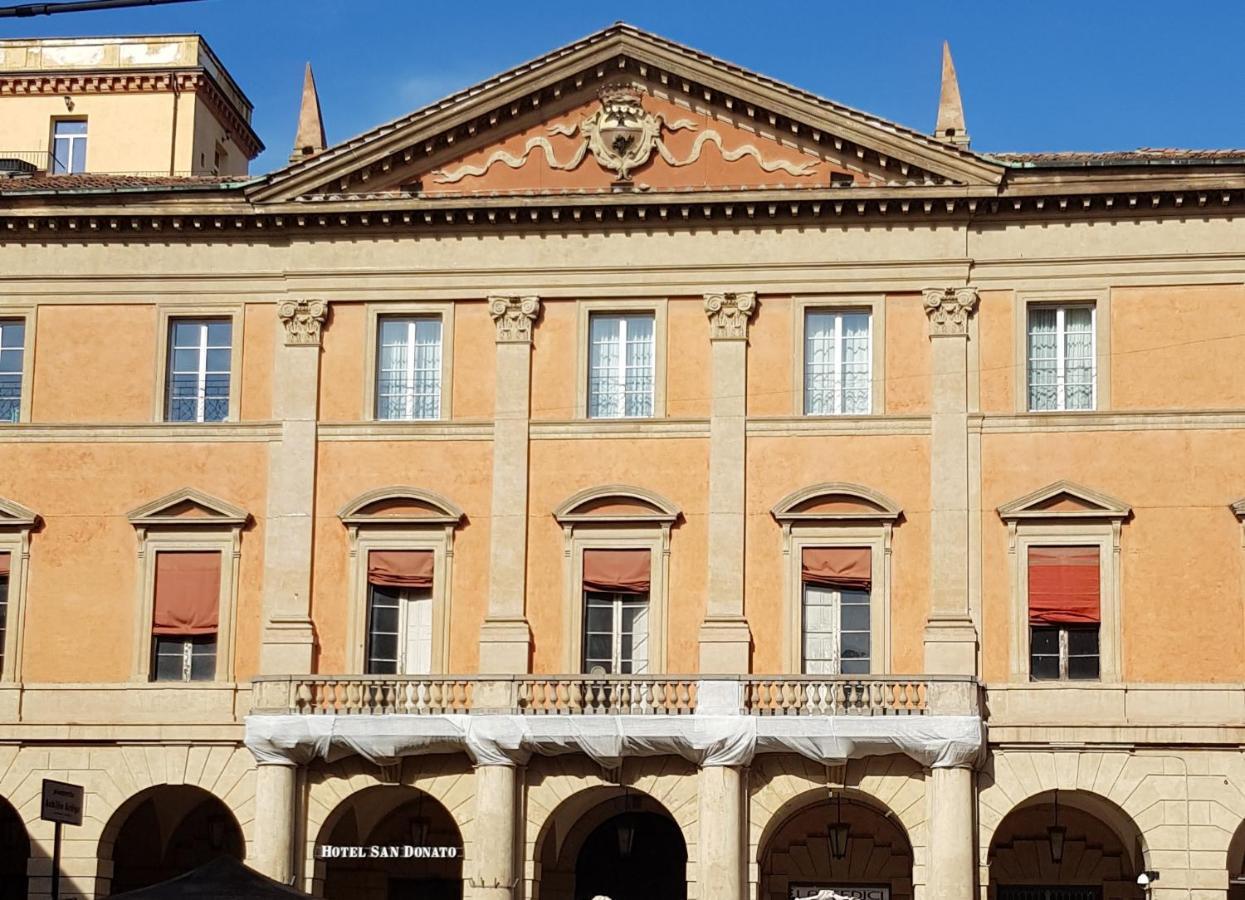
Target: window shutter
column 1064, row 586
column 842, row 568
column 187, row 600
column 400, row 568
column 617, row 571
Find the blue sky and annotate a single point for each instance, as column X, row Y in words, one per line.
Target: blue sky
column 1089, row 75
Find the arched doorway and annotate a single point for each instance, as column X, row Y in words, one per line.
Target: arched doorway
column 404, row 823
column 608, row 842
column 1065, row 845
column 848, row 844
column 163, row 832
column 14, row 854
column 1236, row 865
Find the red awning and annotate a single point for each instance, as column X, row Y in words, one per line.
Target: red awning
column 187, row 593
column 1064, row 586
column 844, row 568
column 4, row 565
column 618, row 571
column 400, row 568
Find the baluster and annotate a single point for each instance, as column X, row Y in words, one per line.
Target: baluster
column 302, row 696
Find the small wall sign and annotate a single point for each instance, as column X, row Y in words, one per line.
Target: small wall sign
column 838, row 892
column 61, row 802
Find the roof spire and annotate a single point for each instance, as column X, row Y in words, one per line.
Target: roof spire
column 309, row 140
column 950, row 127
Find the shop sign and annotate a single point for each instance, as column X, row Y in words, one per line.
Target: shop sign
column 385, row 851
column 838, row 892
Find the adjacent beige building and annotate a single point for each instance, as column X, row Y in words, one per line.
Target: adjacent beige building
column 630, row 476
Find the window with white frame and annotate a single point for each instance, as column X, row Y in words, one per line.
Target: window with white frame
column 1065, row 606
column 615, row 633
column 399, row 630
column 408, row 368
column 838, row 354
column 621, row 365
column 12, row 351
column 185, row 616
column 1061, row 358
column 68, row 146
column 836, row 610
column 4, row 606
column 200, row 358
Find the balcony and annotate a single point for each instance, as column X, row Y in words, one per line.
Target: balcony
column 621, row 695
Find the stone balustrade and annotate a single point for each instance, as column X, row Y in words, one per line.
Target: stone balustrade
column 627, row 695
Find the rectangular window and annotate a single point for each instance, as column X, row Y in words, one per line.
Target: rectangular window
column 12, row 350
column 838, row 354
column 1062, row 358
column 615, row 633
column 4, row 605
column 408, row 368
column 69, row 146
column 399, row 631
column 620, row 366
column 186, row 614
column 200, row 356
column 1064, row 613
column 837, row 632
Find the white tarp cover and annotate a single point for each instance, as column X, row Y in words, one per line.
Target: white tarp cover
column 706, row 740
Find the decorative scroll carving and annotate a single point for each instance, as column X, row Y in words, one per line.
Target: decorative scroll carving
column 303, row 320
column 514, row 317
column 949, row 308
column 622, row 136
column 729, row 314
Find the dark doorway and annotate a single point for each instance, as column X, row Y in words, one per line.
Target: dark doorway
column 1040, row 892
column 633, row 856
column 14, row 853
column 169, row 831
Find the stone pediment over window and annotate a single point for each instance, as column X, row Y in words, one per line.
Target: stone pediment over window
column 14, row 515
column 1064, row 500
column 188, row 508
column 835, row 502
column 625, row 107
column 400, row 505
column 616, row 504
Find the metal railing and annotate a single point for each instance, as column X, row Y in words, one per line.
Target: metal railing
column 24, row 162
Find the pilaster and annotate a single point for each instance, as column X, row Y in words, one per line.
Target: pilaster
column 725, row 639
column 496, row 869
column 950, row 636
column 722, row 847
column 505, row 637
column 951, row 871
column 274, row 820
column 288, row 637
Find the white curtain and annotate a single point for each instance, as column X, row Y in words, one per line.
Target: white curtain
column 1078, row 358
column 856, row 359
column 1043, row 359
column 820, row 364
column 639, row 374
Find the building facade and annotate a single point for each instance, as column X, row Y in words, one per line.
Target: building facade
column 631, row 476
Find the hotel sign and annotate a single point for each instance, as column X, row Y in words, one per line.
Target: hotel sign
column 838, row 892
column 386, row 851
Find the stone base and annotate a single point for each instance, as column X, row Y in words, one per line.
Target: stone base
column 289, row 642
column 505, row 647
column 950, row 646
column 725, row 646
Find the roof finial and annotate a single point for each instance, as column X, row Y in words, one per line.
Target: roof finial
column 950, row 127
column 309, row 140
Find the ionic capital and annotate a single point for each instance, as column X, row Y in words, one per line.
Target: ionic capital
column 302, row 320
column 949, row 308
column 729, row 314
column 513, row 317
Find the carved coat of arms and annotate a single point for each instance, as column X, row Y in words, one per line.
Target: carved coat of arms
column 622, row 136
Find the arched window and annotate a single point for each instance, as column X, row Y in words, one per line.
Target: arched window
column 837, row 544
column 617, row 560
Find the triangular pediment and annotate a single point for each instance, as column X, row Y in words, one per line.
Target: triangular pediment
column 188, row 507
column 1065, row 500
column 14, row 515
column 701, row 123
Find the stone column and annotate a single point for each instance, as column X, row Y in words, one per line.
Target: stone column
column 950, row 637
column 274, row 820
column 949, row 867
column 505, row 637
column 496, row 822
column 722, row 847
column 288, row 636
column 725, row 641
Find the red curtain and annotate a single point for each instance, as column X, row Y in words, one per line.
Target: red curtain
column 187, row 593
column 400, row 568
column 4, row 565
column 1064, row 586
column 617, row 571
column 844, row 568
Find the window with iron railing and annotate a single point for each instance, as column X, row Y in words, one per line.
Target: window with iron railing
column 621, row 366
column 408, row 368
column 200, row 359
column 1062, row 358
column 838, row 354
column 12, row 351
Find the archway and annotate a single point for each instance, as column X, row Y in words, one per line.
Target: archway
column 620, row 844
column 419, row 848
column 1236, row 865
column 163, row 832
column 1065, row 845
column 14, row 853
column 848, row 844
